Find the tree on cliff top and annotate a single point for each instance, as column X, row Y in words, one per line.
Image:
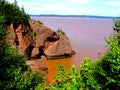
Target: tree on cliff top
column 13, row 14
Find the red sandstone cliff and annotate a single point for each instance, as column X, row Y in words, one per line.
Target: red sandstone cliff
column 44, row 42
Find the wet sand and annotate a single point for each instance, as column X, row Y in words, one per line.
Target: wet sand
column 87, row 37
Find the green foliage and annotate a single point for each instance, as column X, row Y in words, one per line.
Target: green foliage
column 87, row 74
column 3, row 44
column 13, row 14
column 60, row 32
column 14, row 73
column 26, row 80
column 117, row 25
column 116, row 37
column 33, row 34
column 108, row 68
column 2, row 32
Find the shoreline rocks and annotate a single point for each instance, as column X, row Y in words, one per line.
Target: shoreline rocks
column 53, row 45
column 39, row 40
column 59, row 49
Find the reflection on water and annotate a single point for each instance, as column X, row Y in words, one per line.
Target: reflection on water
column 86, row 36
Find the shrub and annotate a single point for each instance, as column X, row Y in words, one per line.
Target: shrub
column 117, row 25
column 60, row 32
column 108, row 68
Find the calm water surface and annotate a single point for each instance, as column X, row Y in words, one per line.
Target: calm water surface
column 87, row 37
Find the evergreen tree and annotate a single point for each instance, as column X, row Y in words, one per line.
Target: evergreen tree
column 13, row 14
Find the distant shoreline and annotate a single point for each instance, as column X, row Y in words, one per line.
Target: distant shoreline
column 79, row 16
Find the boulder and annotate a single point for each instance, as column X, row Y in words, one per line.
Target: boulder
column 59, row 49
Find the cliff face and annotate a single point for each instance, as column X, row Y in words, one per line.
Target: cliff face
column 24, row 38
column 21, row 39
column 38, row 41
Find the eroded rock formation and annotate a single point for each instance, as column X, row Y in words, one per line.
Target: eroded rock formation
column 21, row 39
column 39, row 40
column 60, row 48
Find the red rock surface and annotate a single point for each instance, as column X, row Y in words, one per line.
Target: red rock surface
column 60, row 47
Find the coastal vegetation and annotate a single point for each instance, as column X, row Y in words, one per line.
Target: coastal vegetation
column 103, row 74
column 13, row 14
column 60, row 32
column 14, row 73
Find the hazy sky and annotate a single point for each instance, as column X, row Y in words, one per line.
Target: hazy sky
column 71, row 7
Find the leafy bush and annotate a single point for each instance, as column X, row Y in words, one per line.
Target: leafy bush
column 87, row 74
column 108, row 67
column 117, row 25
column 60, row 32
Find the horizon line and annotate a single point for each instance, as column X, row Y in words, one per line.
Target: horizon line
column 75, row 15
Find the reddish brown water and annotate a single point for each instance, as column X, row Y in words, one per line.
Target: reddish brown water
column 86, row 36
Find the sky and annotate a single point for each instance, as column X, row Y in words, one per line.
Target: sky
column 71, row 7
